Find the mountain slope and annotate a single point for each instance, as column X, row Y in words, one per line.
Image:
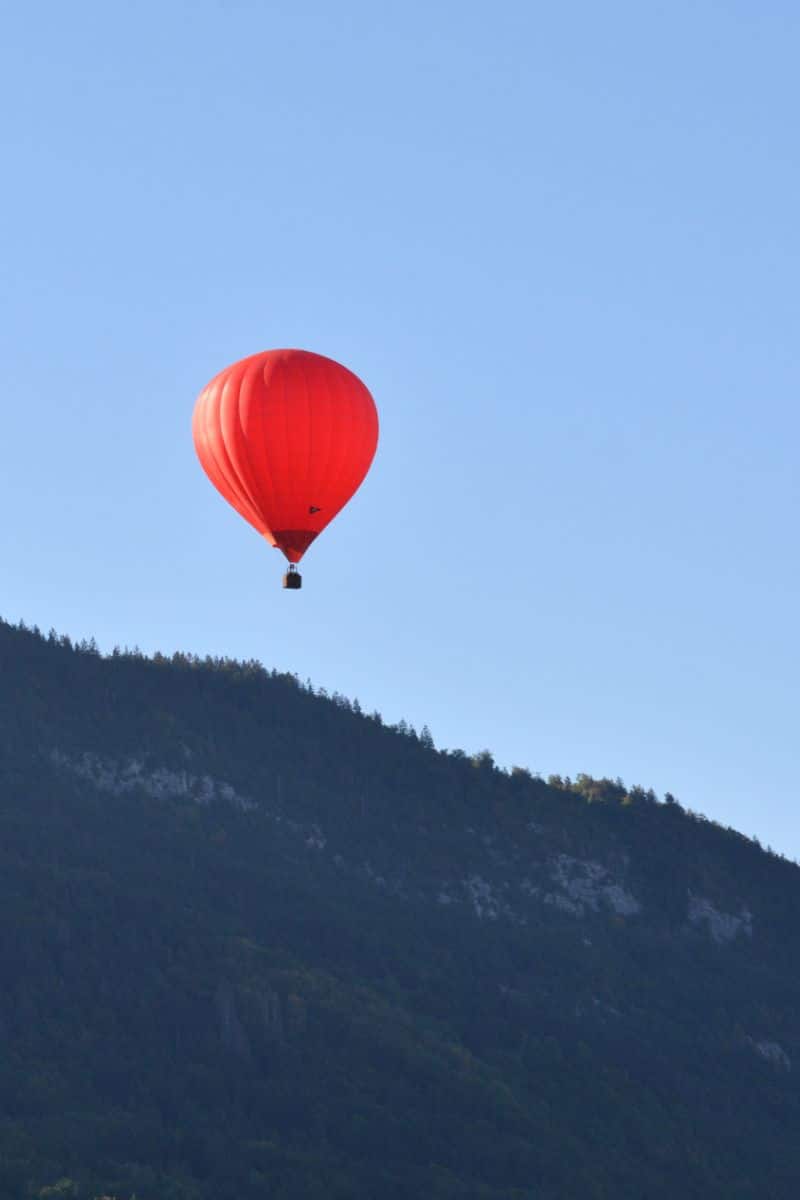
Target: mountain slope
column 254, row 943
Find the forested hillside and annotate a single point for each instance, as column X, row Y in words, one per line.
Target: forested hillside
column 256, row 944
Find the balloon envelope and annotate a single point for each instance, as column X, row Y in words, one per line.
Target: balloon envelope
column 287, row 437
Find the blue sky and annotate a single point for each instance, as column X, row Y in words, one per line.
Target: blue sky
column 559, row 242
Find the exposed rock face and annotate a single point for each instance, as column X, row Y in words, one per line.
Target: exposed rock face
column 588, row 885
column 773, row 1052
column 723, row 927
column 115, row 777
column 582, row 887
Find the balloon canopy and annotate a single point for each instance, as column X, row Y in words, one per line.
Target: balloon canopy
column 287, row 437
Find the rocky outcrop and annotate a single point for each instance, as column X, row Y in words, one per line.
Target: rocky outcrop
column 772, row 1052
column 722, row 926
column 130, row 774
column 588, row 885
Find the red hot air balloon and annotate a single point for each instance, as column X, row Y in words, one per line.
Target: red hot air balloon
column 287, row 437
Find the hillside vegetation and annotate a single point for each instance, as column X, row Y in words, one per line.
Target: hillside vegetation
column 257, row 944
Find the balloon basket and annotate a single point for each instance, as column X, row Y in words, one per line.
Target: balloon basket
column 293, row 580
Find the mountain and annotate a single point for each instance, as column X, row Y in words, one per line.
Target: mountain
column 255, row 943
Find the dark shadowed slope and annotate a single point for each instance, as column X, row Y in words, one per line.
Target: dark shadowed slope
column 256, row 944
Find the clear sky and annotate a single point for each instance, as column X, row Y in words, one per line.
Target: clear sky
column 559, row 243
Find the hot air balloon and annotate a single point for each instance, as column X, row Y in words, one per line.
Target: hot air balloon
column 287, row 437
